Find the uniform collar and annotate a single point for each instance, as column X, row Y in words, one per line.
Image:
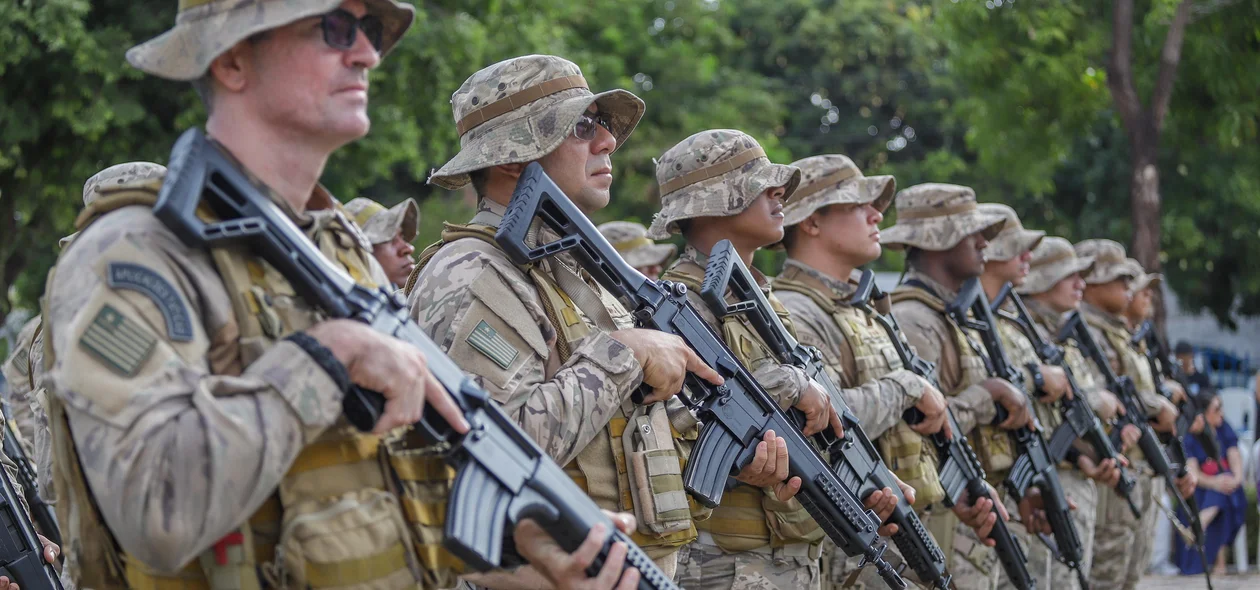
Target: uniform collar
column 1043, row 314
column 934, row 287
column 1100, row 316
column 798, row 271
column 698, row 258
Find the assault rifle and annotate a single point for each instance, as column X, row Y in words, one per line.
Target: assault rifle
column 854, row 458
column 1163, row 370
column 21, row 553
column 1079, row 420
column 502, row 476
column 1074, row 328
column 1034, row 466
column 43, row 515
column 959, row 469
column 735, row 415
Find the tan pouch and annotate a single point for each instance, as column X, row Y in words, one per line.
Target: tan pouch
column 358, row 539
column 789, row 521
column 655, row 473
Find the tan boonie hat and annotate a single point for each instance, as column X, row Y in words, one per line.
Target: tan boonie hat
column 936, row 217
column 631, row 241
column 1052, row 261
column 117, row 175
column 1142, row 278
column 1013, row 240
column 520, row 110
column 715, row 173
column 204, row 29
column 832, row 180
column 1109, row 261
column 380, row 224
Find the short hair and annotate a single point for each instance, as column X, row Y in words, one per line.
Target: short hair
column 204, row 86
column 479, row 179
column 1183, row 347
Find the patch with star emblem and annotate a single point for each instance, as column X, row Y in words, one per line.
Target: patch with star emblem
column 118, row 342
column 487, row 341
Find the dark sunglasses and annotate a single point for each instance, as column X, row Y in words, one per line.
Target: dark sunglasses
column 341, row 29
column 584, row 129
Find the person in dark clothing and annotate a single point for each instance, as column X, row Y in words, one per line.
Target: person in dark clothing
column 1222, row 502
column 1196, row 382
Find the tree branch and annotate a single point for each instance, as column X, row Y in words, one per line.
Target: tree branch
column 1169, row 59
column 1120, row 66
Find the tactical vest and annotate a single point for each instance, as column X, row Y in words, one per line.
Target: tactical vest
column 1132, row 364
column 1022, row 352
column 641, row 441
column 748, row 517
column 992, row 445
column 338, row 519
column 902, row 448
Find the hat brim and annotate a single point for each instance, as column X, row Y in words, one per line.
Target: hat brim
column 535, row 130
column 1042, row 279
column 1003, row 249
column 750, row 182
column 200, row 34
column 941, row 233
column 1109, row 273
column 653, row 255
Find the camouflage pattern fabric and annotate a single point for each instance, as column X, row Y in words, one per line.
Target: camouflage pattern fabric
column 206, row 28
column 1053, row 260
column 1144, row 279
column 519, row 110
column 20, row 370
column 936, row 217
column 705, row 567
column 973, row 565
column 833, row 180
column 715, row 173
column 379, row 224
column 114, row 176
column 1122, row 545
column 1084, row 492
column 1013, row 240
column 1109, row 261
column 631, row 241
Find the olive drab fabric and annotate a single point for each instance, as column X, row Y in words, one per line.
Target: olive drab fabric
column 337, row 518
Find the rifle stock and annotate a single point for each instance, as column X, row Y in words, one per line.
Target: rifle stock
column 498, row 466
column 735, row 415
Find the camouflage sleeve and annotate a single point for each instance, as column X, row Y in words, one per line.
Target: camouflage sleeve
column 10, row 468
column 178, row 456
column 1021, row 353
column 488, row 317
column 784, row 383
column 930, row 336
column 20, row 371
column 1084, row 373
column 877, row 404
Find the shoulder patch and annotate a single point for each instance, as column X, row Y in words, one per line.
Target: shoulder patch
column 146, row 281
column 123, row 345
column 488, row 341
column 22, row 362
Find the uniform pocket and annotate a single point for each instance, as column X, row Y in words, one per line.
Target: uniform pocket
column 356, row 539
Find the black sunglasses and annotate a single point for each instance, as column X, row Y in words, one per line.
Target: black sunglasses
column 584, row 129
column 341, row 29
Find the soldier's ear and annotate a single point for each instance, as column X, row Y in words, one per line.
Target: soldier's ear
column 810, row 224
column 231, row 67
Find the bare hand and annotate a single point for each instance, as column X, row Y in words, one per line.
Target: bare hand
column 567, row 571
column 395, row 369
column 1106, row 473
column 979, row 514
column 769, row 468
column 1057, row 385
column 815, row 404
column 1130, row 434
column 1166, row 418
column 935, row 412
column 1005, row 395
column 1186, row 484
column 1226, row 483
column 1032, row 512
column 666, row 359
column 882, row 502
column 1110, row 406
column 1178, row 392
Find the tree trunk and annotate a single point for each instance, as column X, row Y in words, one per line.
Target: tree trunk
column 1145, row 213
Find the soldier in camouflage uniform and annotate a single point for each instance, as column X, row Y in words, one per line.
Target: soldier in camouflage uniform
column 391, row 232
column 719, row 184
column 1008, row 260
column 555, row 349
column 830, row 229
column 1123, row 543
column 195, row 401
column 630, row 239
column 1141, row 304
column 946, row 236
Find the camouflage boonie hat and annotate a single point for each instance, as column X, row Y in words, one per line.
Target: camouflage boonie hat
column 715, row 173
column 1109, row 261
column 520, row 110
column 936, row 217
column 631, row 241
column 1143, row 279
column 204, row 29
column 1013, row 240
column 835, row 179
column 114, row 176
column 379, row 224
column 1052, row 261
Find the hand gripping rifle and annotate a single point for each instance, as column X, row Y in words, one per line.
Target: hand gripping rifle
column 502, row 475
column 735, row 415
column 21, row 553
column 1034, row 466
column 959, row 469
column 853, row 458
column 1074, row 328
column 1079, row 419
column 1163, row 370
column 41, row 513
